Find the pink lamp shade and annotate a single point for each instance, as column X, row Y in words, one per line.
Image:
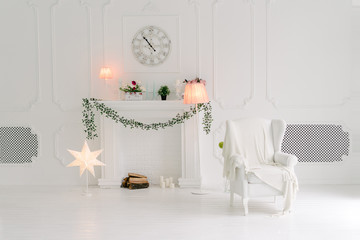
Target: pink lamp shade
column 105, row 73
column 195, row 93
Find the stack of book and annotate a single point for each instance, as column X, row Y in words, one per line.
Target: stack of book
column 135, row 181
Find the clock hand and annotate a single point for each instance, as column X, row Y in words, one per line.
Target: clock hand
column 149, row 44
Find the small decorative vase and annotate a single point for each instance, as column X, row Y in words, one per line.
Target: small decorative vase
column 163, row 98
column 133, row 96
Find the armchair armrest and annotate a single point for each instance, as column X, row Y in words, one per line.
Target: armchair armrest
column 285, row 159
column 236, row 161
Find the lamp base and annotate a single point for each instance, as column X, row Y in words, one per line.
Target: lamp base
column 200, row 192
column 86, row 194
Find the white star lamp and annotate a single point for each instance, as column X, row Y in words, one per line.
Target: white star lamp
column 86, row 160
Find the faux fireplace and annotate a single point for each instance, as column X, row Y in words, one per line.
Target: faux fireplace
column 166, row 152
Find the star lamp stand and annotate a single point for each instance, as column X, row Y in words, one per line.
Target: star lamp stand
column 86, row 193
column 86, row 160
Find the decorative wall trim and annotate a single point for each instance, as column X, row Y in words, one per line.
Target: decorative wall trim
column 149, row 6
column 246, row 100
column 272, row 99
column 356, row 143
column 104, row 30
column 56, row 99
column 218, row 136
column 90, row 49
column 56, row 144
column 356, row 3
column 53, row 52
column 38, row 90
column 176, row 67
column 69, row 135
column 28, row 106
column 215, row 5
column 196, row 4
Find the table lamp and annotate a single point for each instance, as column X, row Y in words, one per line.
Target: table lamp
column 195, row 92
column 105, row 73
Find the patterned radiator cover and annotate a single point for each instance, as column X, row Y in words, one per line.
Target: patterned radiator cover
column 316, row 142
column 17, row 145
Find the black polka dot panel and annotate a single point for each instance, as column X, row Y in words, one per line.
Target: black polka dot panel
column 17, row 145
column 320, row 143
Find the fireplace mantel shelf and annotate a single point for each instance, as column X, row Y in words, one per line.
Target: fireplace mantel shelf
column 147, row 105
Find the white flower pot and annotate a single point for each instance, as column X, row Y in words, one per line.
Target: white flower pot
column 133, row 96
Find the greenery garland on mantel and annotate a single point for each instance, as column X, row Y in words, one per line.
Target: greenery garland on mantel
column 92, row 104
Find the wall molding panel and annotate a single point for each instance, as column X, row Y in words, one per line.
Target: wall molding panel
column 64, row 139
column 104, row 7
column 66, row 87
column 149, row 6
column 196, row 5
column 274, row 100
column 22, row 102
column 215, row 22
column 218, row 136
column 356, row 3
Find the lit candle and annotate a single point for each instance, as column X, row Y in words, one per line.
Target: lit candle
column 172, row 185
column 167, row 182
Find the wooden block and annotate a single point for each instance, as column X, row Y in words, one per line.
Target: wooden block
column 138, row 180
column 136, row 175
column 138, row 185
column 125, row 182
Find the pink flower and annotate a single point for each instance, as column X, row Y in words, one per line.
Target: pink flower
column 134, row 87
column 133, row 83
column 197, row 80
column 203, row 82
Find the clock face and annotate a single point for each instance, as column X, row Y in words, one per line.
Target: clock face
column 151, row 46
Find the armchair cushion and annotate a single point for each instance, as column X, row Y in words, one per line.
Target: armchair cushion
column 253, row 179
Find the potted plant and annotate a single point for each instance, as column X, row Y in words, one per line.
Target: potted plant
column 163, row 92
column 133, row 92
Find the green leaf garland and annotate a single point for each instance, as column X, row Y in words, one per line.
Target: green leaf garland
column 89, row 105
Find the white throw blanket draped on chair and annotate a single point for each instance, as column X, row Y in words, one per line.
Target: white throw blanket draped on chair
column 252, row 146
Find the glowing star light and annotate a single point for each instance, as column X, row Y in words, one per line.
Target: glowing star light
column 86, row 159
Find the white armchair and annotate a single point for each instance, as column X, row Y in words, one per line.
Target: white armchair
column 254, row 163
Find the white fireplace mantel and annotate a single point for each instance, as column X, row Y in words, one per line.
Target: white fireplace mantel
column 149, row 112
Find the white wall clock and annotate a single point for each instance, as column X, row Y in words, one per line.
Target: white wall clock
column 162, row 33
column 151, row 46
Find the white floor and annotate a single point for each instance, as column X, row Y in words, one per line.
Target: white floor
column 36, row 213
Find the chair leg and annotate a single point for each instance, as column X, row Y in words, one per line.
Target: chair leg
column 231, row 198
column 245, row 203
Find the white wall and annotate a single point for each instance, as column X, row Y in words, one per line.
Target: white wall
column 297, row 60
